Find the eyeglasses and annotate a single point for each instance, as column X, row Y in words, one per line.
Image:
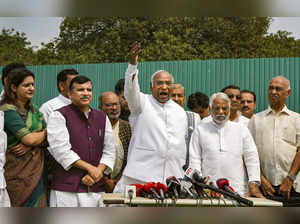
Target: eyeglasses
column 111, row 104
column 160, row 83
column 238, row 97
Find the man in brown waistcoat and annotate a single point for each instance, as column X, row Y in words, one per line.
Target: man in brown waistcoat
column 109, row 103
column 82, row 143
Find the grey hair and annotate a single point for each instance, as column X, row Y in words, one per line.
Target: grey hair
column 155, row 73
column 219, row 95
column 284, row 78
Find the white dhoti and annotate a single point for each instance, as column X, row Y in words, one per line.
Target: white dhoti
column 70, row 199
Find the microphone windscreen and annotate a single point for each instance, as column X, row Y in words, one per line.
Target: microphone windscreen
column 161, row 186
column 148, row 186
column 139, row 189
column 222, row 182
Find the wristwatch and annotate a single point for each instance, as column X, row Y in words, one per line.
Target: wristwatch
column 254, row 182
column 292, row 177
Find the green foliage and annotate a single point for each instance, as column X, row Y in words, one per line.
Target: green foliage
column 14, row 47
column 84, row 40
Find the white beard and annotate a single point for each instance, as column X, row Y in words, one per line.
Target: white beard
column 222, row 122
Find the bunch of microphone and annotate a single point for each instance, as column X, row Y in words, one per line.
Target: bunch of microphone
column 192, row 186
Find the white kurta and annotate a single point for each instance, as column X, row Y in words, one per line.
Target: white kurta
column 54, row 104
column 157, row 148
column 4, row 198
column 225, row 151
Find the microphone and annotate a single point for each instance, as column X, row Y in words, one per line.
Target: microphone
column 150, row 189
column 223, row 184
column 173, row 186
column 196, row 178
column 139, row 190
column 186, row 189
column 188, row 175
column 162, row 189
column 213, row 193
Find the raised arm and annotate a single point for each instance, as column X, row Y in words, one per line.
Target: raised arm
column 132, row 89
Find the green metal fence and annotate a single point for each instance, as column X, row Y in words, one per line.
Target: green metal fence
column 208, row 76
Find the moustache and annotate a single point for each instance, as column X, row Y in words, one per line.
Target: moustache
column 85, row 97
column 245, row 108
column 220, row 116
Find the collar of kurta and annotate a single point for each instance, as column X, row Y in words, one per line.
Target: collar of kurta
column 80, row 113
column 64, row 99
column 218, row 126
column 284, row 110
column 161, row 104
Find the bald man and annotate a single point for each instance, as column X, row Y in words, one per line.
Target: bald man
column 178, row 96
column 276, row 132
column 157, row 148
column 109, row 103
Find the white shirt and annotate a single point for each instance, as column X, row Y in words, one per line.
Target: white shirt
column 54, row 104
column 240, row 120
column 277, row 137
column 3, row 147
column 157, row 148
column 225, row 151
column 60, row 147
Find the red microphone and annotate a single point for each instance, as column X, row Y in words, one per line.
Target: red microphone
column 162, row 189
column 150, row 189
column 223, row 184
column 139, row 189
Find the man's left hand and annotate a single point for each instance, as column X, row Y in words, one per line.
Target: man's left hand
column 96, row 173
column 88, row 180
column 254, row 191
column 110, row 185
column 286, row 187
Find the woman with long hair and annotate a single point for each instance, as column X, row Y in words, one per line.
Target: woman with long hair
column 26, row 141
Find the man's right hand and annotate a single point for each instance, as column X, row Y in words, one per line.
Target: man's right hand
column 134, row 53
column 95, row 172
column 266, row 187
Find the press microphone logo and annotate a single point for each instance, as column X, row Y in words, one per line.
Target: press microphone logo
column 188, row 171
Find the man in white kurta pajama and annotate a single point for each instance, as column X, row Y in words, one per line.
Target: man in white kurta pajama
column 157, row 148
column 221, row 148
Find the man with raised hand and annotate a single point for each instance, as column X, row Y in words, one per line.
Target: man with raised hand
column 157, row 148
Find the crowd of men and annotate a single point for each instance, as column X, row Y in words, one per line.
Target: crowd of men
column 136, row 138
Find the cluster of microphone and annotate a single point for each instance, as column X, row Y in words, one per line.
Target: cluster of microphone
column 192, row 186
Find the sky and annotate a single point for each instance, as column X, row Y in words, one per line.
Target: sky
column 45, row 29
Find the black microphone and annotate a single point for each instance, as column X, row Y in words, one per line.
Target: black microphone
column 173, row 186
column 196, row 178
column 186, row 189
column 162, row 189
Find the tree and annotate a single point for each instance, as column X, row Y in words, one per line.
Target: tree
column 14, row 47
column 108, row 39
